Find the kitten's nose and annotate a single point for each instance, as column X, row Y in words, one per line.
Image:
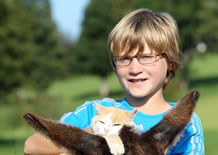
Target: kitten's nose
column 106, row 130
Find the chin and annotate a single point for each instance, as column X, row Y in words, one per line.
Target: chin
column 137, row 96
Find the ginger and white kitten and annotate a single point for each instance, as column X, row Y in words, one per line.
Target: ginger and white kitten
column 108, row 122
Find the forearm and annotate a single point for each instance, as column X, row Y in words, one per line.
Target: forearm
column 38, row 144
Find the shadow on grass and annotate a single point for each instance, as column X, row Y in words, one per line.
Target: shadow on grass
column 11, row 146
column 10, row 142
column 204, row 81
column 117, row 94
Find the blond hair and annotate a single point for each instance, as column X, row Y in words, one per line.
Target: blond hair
column 158, row 30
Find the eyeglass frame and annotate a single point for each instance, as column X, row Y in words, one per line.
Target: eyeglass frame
column 137, row 57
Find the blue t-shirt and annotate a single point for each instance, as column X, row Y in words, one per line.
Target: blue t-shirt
column 191, row 140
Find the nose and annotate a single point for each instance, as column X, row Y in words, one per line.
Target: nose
column 135, row 67
column 106, row 130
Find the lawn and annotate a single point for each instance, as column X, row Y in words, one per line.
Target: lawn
column 204, row 78
column 65, row 96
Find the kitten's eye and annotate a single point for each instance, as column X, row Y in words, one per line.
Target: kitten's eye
column 116, row 124
column 101, row 122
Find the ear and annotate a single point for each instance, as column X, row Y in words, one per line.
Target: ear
column 171, row 66
column 72, row 138
column 99, row 108
column 165, row 132
column 132, row 114
column 113, row 64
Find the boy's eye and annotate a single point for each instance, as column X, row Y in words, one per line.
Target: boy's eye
column 146, row 57
column 121, row 59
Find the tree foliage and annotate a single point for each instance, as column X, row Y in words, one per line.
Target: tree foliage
column 206, row 31
column 30, row 51
column 92, row 46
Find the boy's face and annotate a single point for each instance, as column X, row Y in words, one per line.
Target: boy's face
column 140, row 81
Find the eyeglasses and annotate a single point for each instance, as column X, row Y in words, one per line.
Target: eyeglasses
column 142, row 59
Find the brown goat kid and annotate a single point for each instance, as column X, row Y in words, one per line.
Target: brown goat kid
column 156, row 141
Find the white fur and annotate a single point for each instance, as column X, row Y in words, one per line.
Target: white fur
column 116, row 145
column 105, row 128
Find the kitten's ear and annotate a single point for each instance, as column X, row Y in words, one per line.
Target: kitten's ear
column 99, row 108
column 132, row 114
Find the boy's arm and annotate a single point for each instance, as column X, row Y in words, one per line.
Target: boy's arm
column 38, row 144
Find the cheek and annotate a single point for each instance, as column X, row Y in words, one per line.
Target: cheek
column 122, row 71
column 115, row 130
column 121, row 74
column 160, row 70
column 98, row 128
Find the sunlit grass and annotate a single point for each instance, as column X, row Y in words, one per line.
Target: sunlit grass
column 204, row 66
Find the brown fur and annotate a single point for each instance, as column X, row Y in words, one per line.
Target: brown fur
column 156, row 141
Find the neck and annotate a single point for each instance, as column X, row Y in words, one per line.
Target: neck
column 153, row 104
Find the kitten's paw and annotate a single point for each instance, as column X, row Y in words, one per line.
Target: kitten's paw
column 117, row 149
column 115, row 144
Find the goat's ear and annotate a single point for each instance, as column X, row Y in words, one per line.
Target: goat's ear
column 67, row 136
column 36, row 122
column 166, row 131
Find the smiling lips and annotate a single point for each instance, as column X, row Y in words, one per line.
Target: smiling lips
column 136, row 80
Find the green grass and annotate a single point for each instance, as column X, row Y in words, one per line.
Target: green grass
column 204, row 78
column 65, row 96
column 210, row 138
column 204, row 66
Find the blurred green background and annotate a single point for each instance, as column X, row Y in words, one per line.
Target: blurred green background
column 43, row 71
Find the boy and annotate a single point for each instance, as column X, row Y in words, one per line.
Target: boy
column 145, row 54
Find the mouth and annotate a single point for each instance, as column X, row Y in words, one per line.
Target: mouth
column 136, row 80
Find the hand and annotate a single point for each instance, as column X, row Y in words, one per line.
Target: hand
column 38, row 144
column 88, row 130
